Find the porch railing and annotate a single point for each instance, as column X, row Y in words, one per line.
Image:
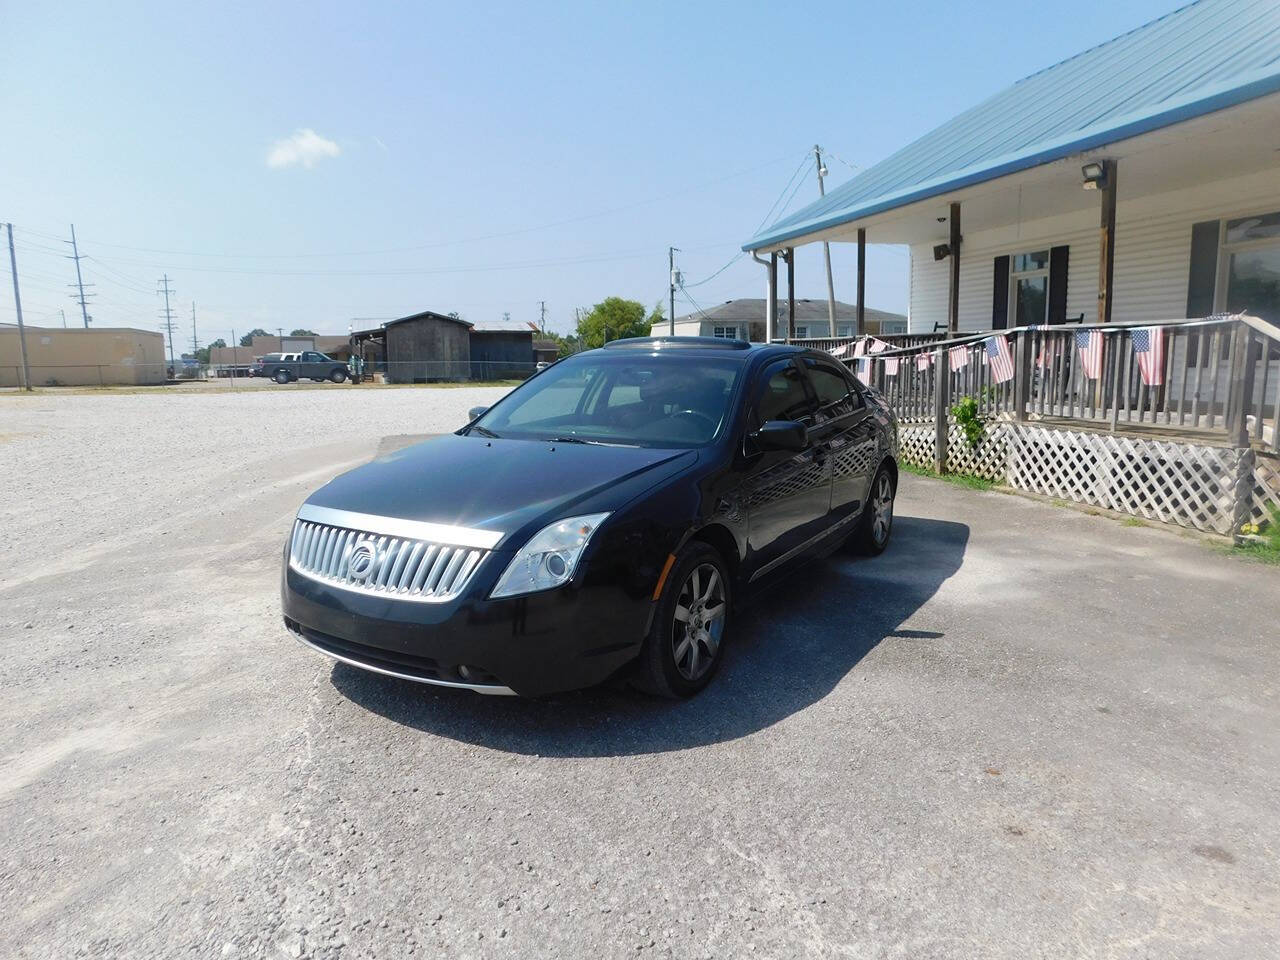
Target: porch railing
column 1218, row 376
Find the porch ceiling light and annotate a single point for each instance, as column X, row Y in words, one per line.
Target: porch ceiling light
column 1095, row 175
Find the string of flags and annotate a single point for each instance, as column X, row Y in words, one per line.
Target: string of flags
column 1149, row 347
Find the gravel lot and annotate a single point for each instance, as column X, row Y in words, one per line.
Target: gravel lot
column 1022, row 732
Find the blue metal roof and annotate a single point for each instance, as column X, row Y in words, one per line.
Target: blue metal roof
column 1200, row 58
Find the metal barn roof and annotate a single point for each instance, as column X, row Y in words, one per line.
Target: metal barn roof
column 1200, row 58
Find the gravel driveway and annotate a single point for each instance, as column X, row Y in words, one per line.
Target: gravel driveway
column 1022, row 732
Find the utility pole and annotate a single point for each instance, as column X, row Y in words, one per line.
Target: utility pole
column 168, row 317
column 17, row 306
column 75, row 255
column 64, row 317
column 826, row 247
column 542, row 322
column 671, row 265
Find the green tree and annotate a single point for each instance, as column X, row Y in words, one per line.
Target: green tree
column 612, row 319
column 301, row 332
column 247, row 339
column 202, row 355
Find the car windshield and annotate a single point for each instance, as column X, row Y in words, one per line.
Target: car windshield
column 635, row 400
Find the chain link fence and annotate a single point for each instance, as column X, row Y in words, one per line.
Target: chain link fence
column 335, row 372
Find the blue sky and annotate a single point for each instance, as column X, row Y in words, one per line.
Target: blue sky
column 476, row 158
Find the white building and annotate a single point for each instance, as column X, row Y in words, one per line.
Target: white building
column 1152, row 159
column 744, row 319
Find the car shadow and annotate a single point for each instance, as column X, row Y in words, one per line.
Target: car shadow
column 790, row 647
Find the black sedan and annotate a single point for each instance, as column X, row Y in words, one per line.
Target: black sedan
column 605, row 516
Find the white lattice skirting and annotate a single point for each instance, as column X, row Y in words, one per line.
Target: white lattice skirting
column 1188, row 484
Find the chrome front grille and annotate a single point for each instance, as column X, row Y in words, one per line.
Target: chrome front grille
column 402, row 568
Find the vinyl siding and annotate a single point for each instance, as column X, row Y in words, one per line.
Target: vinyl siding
column 1153, row 250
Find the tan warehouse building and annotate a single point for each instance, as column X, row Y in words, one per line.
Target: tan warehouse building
column 96, row 357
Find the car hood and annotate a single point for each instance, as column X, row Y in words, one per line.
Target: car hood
column 509, row 486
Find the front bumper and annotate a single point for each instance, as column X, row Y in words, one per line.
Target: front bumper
column 571, row 637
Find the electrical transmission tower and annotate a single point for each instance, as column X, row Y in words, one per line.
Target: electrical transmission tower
column 168, row 316
column 195, row 340
column 79, row 284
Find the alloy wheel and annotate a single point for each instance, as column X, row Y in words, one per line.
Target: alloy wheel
column 699, row 620
column 882, row 509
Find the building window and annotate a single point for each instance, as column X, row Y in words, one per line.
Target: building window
column 1249, row 266
column 802, row 331
column 1029, row 287
column 844, row 329
column 725, row 333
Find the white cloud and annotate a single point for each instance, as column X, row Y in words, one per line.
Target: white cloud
column 304, row 149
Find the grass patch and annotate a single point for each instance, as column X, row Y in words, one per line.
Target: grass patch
column 1132, row 522
column 966, row 480
column 1264, row 543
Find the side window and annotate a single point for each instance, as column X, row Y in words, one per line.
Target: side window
column 783, row 396
column 312, row 357
column 835, row 398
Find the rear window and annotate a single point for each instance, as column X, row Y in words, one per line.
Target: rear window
column 272, row 357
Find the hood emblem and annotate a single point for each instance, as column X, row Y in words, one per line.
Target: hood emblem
column 363, row 559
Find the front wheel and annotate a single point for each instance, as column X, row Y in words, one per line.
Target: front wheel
column 686, row 643
column 876, row 523
column 337, row 376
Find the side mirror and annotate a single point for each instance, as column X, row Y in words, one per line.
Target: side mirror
column 475, row 413
column 782, row 435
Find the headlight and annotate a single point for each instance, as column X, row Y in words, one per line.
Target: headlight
column 550, row 556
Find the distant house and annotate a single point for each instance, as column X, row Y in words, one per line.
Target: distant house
column 744, row 319
column 1137, row 181
column 429, row 346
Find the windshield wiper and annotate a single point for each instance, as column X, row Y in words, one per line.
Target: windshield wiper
column 483, row 431
column 594, row 443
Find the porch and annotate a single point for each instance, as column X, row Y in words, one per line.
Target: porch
column 1175, row 422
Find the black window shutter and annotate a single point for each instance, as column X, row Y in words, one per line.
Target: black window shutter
column 1203, row 275
column 1000, row 299
column 1058, row 284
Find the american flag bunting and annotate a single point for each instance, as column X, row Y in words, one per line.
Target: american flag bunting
column 999, row 358
column 1148, row 347
column 890, row 366
column 1089, row 343
column 923, row 360
column 959, row 358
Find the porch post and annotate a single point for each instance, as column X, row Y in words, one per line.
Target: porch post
column 862, row 281
column 1107, row 239
column 771, row 300
column 791, row 294
column 953, row 289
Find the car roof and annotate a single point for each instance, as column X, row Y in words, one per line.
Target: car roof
column 702, row 346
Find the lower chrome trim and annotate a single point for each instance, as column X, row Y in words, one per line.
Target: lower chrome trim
column 489, row 690
column 778, row 561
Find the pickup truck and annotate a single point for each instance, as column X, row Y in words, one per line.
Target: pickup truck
column 288, row 367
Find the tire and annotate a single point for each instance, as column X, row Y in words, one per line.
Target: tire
column 673, row 664
column 875, row 526
column 337, row 376
column 281, row 377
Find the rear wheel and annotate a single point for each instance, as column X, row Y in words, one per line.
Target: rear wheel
column 281, row 376
column 876, row 523
column 686, row 643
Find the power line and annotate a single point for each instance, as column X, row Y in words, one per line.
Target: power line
column 446, row 243
column 804, row 161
